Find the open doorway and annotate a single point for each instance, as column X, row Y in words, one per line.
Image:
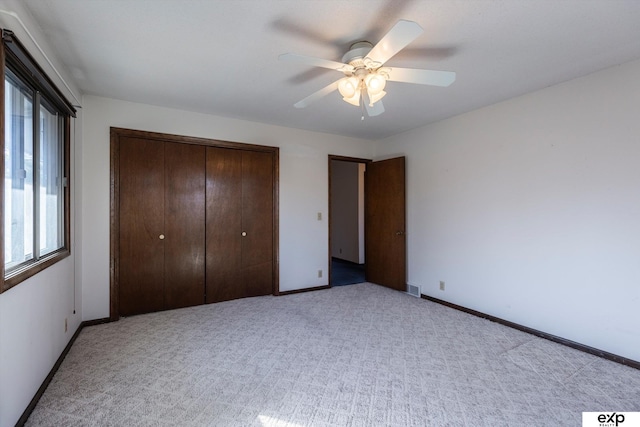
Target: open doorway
column 346, row 220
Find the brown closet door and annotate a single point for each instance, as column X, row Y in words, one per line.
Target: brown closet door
column 257, row 222
column 141, row 216
column 184, row 230
column 239, row 224
column 224, row 224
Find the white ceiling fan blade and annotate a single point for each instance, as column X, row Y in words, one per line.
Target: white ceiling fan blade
column 403, row 33
column 423, row 77
column 317, row 95
column 316, row 62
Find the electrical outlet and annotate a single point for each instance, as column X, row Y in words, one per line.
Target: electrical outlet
column 441, row 285
column 319, row 273
column 66, row 325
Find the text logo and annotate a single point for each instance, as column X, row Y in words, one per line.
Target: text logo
column 611, row 419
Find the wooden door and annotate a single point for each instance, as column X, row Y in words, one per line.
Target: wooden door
column 224, row 224
column 179, row 207
column 141, row 217
column 239, row 224
column 385, row 240
column 257, row 223
column 161, row 240
column 184, row 225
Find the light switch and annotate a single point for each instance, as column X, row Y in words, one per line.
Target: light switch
column 319, row 216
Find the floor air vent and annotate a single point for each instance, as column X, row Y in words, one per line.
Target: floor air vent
column 413, row 290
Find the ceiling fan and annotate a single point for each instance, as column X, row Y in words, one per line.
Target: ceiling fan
column 365, row 76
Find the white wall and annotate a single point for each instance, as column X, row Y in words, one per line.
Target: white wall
column 529, row 210
column 32, row 314
column 303, row 187
column 345, row 230
column 32, row 335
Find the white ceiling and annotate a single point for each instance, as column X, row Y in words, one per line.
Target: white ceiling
column 221, row 57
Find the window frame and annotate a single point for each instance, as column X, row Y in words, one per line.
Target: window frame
column 22, row 64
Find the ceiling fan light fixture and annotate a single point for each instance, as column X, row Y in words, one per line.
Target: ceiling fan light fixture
column 375, row 83
column 373, row 98
column 353, row 100
column 348, row 86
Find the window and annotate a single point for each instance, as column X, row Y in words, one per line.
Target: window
column 35, row 202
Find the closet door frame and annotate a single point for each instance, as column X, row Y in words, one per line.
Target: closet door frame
column 114, row 231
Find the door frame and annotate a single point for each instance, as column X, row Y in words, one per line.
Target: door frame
column 342, row 159
column 114, row 202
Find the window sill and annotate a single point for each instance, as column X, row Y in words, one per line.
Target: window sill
column 23, row 273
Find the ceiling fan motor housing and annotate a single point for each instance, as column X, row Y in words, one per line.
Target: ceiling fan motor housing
column 356, row 54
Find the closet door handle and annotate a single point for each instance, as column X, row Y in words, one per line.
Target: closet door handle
column 161, row 237
column 244, row 233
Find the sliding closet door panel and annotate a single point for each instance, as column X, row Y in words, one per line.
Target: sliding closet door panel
column 184, row 234
column 141, row 216
column 257, row 222
column 224, row 226
column 258, row 279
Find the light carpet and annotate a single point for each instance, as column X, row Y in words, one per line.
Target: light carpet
column 359, row 355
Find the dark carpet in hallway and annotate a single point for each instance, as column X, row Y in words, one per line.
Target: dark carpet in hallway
column 346, row 273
